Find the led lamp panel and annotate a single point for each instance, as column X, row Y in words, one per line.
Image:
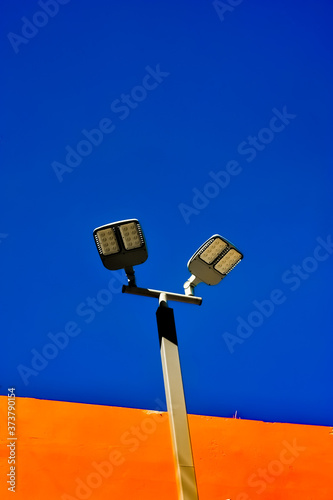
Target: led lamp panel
column 213, row 260
column 130, row 236
column 228, row 261
column 121, row 244
column 213, row 250
column 108, row 241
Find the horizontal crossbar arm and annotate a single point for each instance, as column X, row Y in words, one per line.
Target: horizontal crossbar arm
column 148, row 292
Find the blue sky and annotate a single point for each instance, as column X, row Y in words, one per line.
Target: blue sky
column 196, row 118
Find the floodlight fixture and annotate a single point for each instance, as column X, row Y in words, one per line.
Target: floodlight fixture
column 211, row 262
column 121, row 245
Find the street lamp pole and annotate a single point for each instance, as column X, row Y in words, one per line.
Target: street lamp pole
column 174, row 391
column 173, row 383
column 121, row 245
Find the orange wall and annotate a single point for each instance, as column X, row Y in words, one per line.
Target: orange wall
column 68, row 451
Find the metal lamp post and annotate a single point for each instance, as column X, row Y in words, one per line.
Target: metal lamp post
column 174, row 391
column 122, row 245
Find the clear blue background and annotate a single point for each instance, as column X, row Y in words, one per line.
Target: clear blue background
column 225, row 78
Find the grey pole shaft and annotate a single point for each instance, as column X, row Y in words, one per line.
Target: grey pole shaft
column 180, row 434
